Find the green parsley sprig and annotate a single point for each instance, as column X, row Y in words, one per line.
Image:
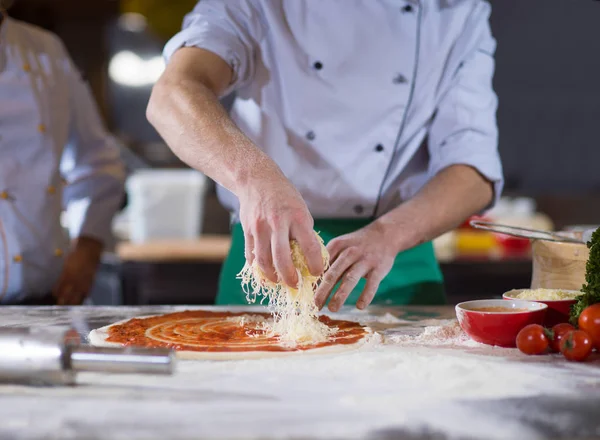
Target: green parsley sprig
column 591, row 289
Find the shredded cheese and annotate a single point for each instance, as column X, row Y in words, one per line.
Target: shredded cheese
column 548, row 294
column 253, row 324
column 244, row 320
column 295, row 314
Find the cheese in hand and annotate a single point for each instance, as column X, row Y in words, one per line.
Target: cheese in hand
column 295, row 314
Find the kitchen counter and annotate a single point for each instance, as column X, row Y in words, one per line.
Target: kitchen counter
column 398, row 389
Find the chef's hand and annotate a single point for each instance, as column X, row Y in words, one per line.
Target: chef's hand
column 272, row 212
column 367, row 253
column 78, row 272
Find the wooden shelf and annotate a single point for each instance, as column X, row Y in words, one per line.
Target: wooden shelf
column 208, row 248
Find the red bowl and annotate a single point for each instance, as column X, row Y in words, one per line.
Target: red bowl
column 513, row 245
column 498, row 328
column 558, row 311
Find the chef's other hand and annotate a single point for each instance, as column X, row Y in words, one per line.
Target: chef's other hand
column 367, row 253
column 272, row 212
column 78, row 272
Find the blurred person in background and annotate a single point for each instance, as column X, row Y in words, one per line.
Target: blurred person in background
column 55, row 154
column 373, row 122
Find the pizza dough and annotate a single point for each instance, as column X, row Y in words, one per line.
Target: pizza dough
column 213, row 335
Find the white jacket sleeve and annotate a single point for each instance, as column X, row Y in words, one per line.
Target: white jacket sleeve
column 92, row 166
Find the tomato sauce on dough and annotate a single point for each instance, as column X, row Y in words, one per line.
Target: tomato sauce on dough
column 209, row 331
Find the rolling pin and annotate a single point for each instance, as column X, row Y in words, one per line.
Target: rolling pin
column 54, row 357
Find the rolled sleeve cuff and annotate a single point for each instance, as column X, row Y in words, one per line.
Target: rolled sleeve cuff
column 214, row 40
column 92, row 205
column 94, row 221
column 488, row 165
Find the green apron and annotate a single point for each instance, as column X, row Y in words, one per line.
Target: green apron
column 415, row 277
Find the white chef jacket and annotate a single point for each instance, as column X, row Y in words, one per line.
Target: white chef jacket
column 359, row 102
column 54, row 153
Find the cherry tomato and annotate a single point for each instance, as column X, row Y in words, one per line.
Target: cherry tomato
column 532, row 339
column 576, row 345
column 558, row 331
column 589, row 321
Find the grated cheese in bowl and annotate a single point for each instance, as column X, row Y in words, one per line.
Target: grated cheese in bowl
column 545, row 294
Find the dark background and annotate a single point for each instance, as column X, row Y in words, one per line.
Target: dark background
column 548, row 67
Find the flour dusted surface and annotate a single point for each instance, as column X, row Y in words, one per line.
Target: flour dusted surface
column 414, row 381
column 445, row 334
column 400, row 389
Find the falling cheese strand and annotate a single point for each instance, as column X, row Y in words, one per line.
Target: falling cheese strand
column 295, row 314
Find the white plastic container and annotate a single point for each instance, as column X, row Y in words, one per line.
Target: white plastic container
column 165, row 204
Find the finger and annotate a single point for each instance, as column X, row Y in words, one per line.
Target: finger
column 59, row 286
column 62, row 293
column 80, row 291
column 349, row 281
column 282, row 257
column 75, row 297
column 332, row 276
column 373, row 280
column 311, row 248
column 78, row 299
column 334, row 247
column 263, row 255
column 248, row 247
column 70, row 297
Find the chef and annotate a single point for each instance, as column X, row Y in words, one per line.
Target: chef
column 372, row 122
column 54, row 152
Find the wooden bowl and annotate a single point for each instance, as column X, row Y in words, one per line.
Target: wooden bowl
column 558, row 265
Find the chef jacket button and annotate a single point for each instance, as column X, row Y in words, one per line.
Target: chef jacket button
column 379, row 148
column 359, row 209
column 400, row 79
column 318, row 65
column 310, row 135
column 58, row 252
column 17, row 258
column 407, row 8
column 4, row 195
column 51, row 189
column 41, row 128
column 26, row 67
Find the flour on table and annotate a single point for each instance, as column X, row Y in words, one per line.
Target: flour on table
column 449, row 333
column 388, row 318
column 401, row 389
column 350, row 395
